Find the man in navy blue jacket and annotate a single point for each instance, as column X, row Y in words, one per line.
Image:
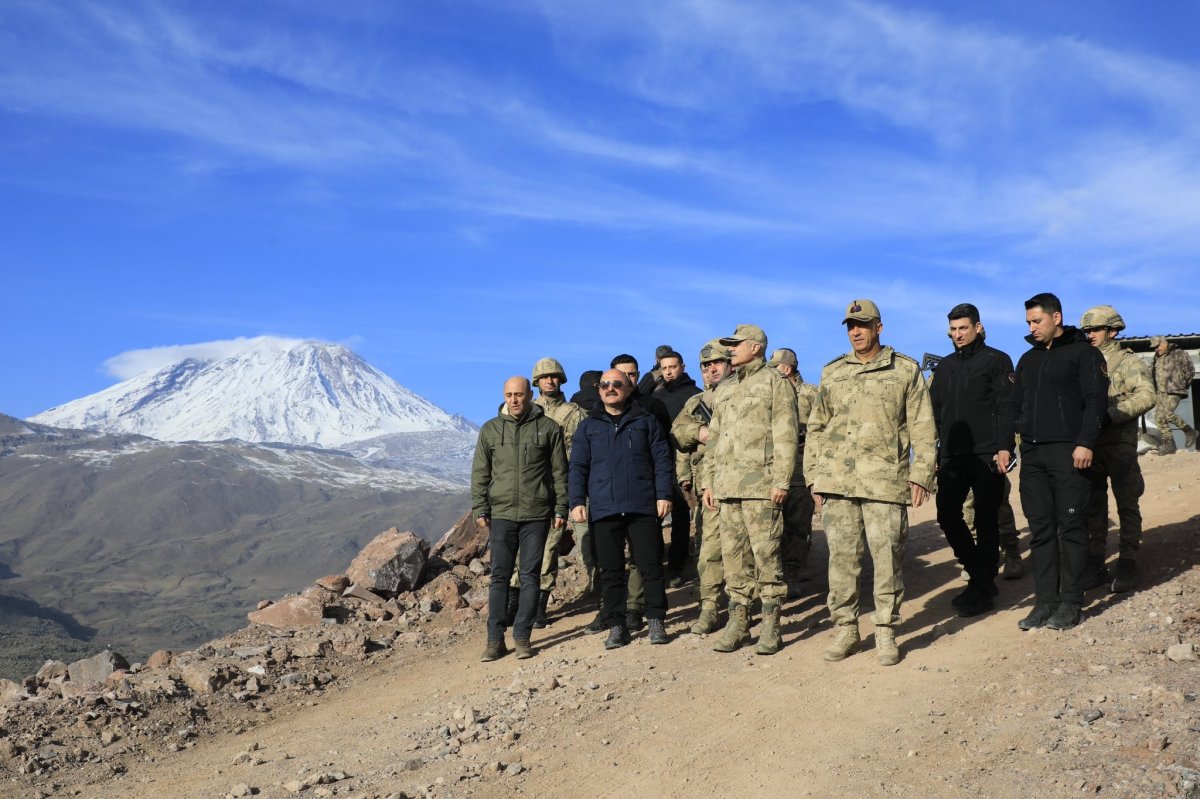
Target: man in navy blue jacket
column 622, row 470
column 1059, row 402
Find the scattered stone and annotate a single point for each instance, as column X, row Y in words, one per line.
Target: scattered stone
column 96, row 669
column 1181, row 653
column 204, row 678
column 291, row 611
column 514, row 769
column 463, row 542
column 337, row 583
column 161, row 659
column 477, row 568
column 50, row 670
column 241, row 790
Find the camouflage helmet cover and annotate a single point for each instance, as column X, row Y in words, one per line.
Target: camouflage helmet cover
column 548, row 367
column 713, row 351
column 1101, row 316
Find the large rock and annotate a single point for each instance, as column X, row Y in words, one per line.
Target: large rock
column 304, row 610
column 448, row 589
column 391, row 563
column 96, row 669
column 463, row 542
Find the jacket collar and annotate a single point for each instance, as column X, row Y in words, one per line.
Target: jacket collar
column 971, row 349
column 882, row 359
column 1070, row 335
column 632, row 411
column 534, row 412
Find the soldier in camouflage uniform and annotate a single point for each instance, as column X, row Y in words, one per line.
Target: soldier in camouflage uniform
column 689, row 434
column 1115, row 459
column 799, row 507
column 548, row 376
column 746, row 473
column 1173, row 372
column 870, row 454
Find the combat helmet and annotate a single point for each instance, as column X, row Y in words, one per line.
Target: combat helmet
column 713, row 351
column 548, row 367
column 1101, row 316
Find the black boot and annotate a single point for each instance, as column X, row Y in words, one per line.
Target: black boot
column 617, row 637
column 634, row 620
column 1037, row 617
column 1096, row 574
column 1065, row 616
column 1126, row 576
column 539, row 619
column 510, row 607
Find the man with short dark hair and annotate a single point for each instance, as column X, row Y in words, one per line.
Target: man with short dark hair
column 676, row 388
column 970, row 395
column 1058, row 403
column 518, row 484
column 621, row 476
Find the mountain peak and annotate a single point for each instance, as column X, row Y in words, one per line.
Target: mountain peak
column 258, row 389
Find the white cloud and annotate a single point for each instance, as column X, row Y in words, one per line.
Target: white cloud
column 134, row 362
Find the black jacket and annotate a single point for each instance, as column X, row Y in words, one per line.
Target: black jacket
column 588, row 396
column 1060, row 393
column 971, row 392
column 620, row 464
column 673, row 395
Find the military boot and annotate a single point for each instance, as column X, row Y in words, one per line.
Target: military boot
column 1096, row 574
column 1167, row 447
column 539, row 619
column 597, row 625
column 845, row 641
column 707, row 622
column 1065, row 616
column 1126, row 576
column 634, row 620
column 523, row 648
column 768, row 633
column 1013, row 568
column 885, row 646
column 736, row 632
column 1189, row 438
column 510, row 606
column 494, row 650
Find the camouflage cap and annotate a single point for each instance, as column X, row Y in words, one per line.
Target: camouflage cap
column 861, row 311
column 1101, row 316
column 1156, row 340
column 783, row 356
column 548, row 367
column 713, row 351
column 745, row 333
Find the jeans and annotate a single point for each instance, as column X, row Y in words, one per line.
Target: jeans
column 504, row 539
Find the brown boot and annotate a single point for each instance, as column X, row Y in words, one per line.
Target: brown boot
column 494, row 650
column 845, row 641
column 708, row 620
column 524, row 650
column 736, row 631
column 768, row 633
column 885, row 646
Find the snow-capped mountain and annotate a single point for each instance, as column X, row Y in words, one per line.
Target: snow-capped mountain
column 267, row 389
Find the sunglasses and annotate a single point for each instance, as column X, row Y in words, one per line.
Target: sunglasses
column 612, row 384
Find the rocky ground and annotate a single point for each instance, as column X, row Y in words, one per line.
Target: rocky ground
column 387, row 698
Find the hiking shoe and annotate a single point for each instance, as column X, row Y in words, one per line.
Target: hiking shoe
column 524, row 650
column 597, row 625
column 617, row 638
column 965, row 595
column 634, row 621
column 1065, row 616
column 658, row 633
column 1126, row 576
column 1189, row 439
column 1013, row 567
column 845, row 641
column 494, row 651
column 885, row 646
column 1037, row 617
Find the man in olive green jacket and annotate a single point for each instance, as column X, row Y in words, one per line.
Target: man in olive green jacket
column 518, row 484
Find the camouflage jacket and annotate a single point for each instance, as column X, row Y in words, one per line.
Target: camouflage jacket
column 871, row 431
column 753, row 435
column 1130, row 394
column 1173, row 372
column 685, row 436
column 806, row 393
column 567, row 414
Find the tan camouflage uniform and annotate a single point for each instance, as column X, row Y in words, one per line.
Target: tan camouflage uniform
column 751, row 450
column 1172, row 378
column 867, row 419
column 1009, row 537
column 799, row 507
column 1130, row 394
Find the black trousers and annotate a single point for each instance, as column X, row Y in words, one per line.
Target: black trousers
column 957, row 476
column 1055, row 497
column 644, row 534
column 681, row 531
column 505, row 538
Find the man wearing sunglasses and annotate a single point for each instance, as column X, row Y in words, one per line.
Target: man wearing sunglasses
column 621, row 475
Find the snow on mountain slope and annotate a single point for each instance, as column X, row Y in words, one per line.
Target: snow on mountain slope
column 268, row 390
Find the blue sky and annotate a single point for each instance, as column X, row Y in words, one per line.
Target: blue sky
column 456, row 189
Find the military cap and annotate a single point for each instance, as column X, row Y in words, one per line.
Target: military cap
column 548, row 367
column 1156, row 340
column 745, row 333
column 1101, row 316
column 861, row 311
column 713, row 351
column 783, row 356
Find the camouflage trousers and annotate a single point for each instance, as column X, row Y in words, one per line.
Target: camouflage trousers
column 1165, row 418
column 1009, row 537
column 798, row 511
column 1117, row 464
column 549, row 576
column 848, row 521
column 751, row 531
